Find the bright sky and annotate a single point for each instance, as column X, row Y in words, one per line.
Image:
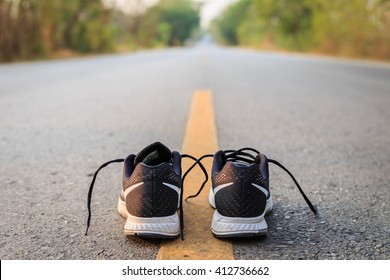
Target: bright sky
column 210, row 8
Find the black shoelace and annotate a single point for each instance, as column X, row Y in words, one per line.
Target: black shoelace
column 181, row 218
column 89, row 199
column 243, row 155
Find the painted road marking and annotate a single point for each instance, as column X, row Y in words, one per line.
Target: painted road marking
column 200, row 138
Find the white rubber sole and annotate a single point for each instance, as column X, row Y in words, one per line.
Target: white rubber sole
column 159, row 227
column 225, row 227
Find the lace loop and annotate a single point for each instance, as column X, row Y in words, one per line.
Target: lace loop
column 181, row 215
column 198, row 161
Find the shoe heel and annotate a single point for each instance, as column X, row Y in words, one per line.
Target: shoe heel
column 154, row 227
column 225, row 227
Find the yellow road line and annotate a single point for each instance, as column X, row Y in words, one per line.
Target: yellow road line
column 200, row 139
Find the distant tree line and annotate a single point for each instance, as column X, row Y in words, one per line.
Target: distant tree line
column 168, row 23
column 39, row 28
column 346, row 27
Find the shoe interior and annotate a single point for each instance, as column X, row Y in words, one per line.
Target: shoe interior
column 154, row 154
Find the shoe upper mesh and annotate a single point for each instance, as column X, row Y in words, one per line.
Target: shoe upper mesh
column 241, row 199
column 152, row 198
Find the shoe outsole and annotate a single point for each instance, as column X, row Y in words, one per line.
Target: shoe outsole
column 151, row 235
column 241, row 235
column 224, row 227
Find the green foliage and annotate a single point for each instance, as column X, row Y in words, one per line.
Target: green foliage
column 181, row 18
column 293, row 24
column 229, row 22
column 37, row 28
column 347, row 27
column 91, row 32
column 163, row 35
column 170, row 22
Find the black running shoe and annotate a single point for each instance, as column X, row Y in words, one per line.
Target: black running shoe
column 240, row 193
column 151, row 192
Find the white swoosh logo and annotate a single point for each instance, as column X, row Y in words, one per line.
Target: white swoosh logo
column 264, row 190
column 173, row 187
column 220, row 187
column 132, row 187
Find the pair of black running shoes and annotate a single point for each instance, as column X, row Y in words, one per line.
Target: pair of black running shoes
column 151, row 199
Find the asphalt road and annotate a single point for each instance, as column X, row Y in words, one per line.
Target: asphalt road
column 327, row 120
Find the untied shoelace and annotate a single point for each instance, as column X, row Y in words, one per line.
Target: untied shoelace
column 181, row 215
column 243, row 155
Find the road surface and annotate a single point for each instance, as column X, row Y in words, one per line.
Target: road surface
column 327, row 120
